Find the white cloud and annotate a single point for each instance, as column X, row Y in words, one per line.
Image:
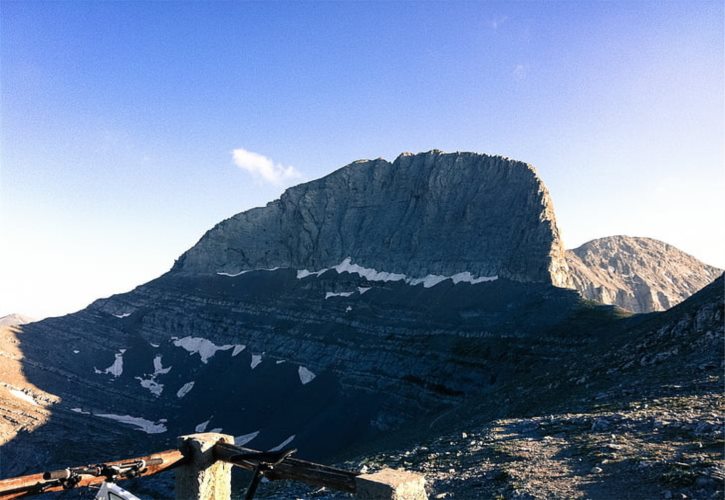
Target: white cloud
column 263, row 168
column 496, row 22
column 520, row 72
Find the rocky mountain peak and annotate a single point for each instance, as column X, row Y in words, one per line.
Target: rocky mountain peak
column 638, row 274
column 430, row 213
column 15, row 319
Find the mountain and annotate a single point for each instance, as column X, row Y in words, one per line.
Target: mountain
column 637, row 274
column 467, row 250
column 424, row 214
column 361, row 311
column 15, row 319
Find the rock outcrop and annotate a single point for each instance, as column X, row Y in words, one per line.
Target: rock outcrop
column 424, row 214
column 637, row 274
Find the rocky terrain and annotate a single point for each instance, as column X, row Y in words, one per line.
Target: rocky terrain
column 638, row 415
column 637, row 274
column 23, row 405
column 388, row 308
column 355, row 358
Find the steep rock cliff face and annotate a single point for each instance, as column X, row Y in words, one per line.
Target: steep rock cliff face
column 637, row 274
column 423, row 214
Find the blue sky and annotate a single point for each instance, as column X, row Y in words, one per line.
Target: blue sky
column 119, row 119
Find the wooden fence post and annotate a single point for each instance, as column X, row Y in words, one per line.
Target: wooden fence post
column 391, row 484
column 203, row 477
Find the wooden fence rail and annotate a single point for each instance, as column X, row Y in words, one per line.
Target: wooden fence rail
column 294, row 469
column 35, row 484
column 203, row 471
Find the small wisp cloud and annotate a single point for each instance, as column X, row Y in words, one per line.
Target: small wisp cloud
column 496, row 22
column 263, row 168
column 520, row 72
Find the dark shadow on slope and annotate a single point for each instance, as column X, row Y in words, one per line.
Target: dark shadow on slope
column 600, row 362
column 384, row 355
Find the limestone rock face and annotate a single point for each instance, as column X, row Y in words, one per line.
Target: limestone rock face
column 637, row 274
column 428, row 213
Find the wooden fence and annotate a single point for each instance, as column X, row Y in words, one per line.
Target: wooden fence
column 203, row 464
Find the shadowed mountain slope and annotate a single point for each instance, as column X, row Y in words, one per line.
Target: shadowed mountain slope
column 637, row 413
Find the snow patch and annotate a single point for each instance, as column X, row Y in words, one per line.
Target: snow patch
column 202, row 426
column 245, row 438
column 256, row 359
column 339, row 294
column 76, row 351
column 149, row 383
column 237, row 349
column 185, row 390
column 305, row 273
column 198, row 345
column 346, row 266
column 24, row 396
column 143, row 424
column 468, row 278
column 123, row 315
column 116, row 369
column 429, row 281
column 363, row 289
column 348, row 309
column 158, row 367
column 283, row 443
column 306, row 376
column 153, row 345
column 279, row 361
column 79, row 410
column 370, row 274
column 232, row 275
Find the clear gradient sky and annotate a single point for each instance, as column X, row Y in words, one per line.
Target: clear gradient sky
column 119, row 119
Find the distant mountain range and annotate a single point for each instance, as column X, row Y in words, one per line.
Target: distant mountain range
column 382, row 297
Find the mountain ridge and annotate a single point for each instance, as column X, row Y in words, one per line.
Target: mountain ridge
column 637, row 273
column 400, row 217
